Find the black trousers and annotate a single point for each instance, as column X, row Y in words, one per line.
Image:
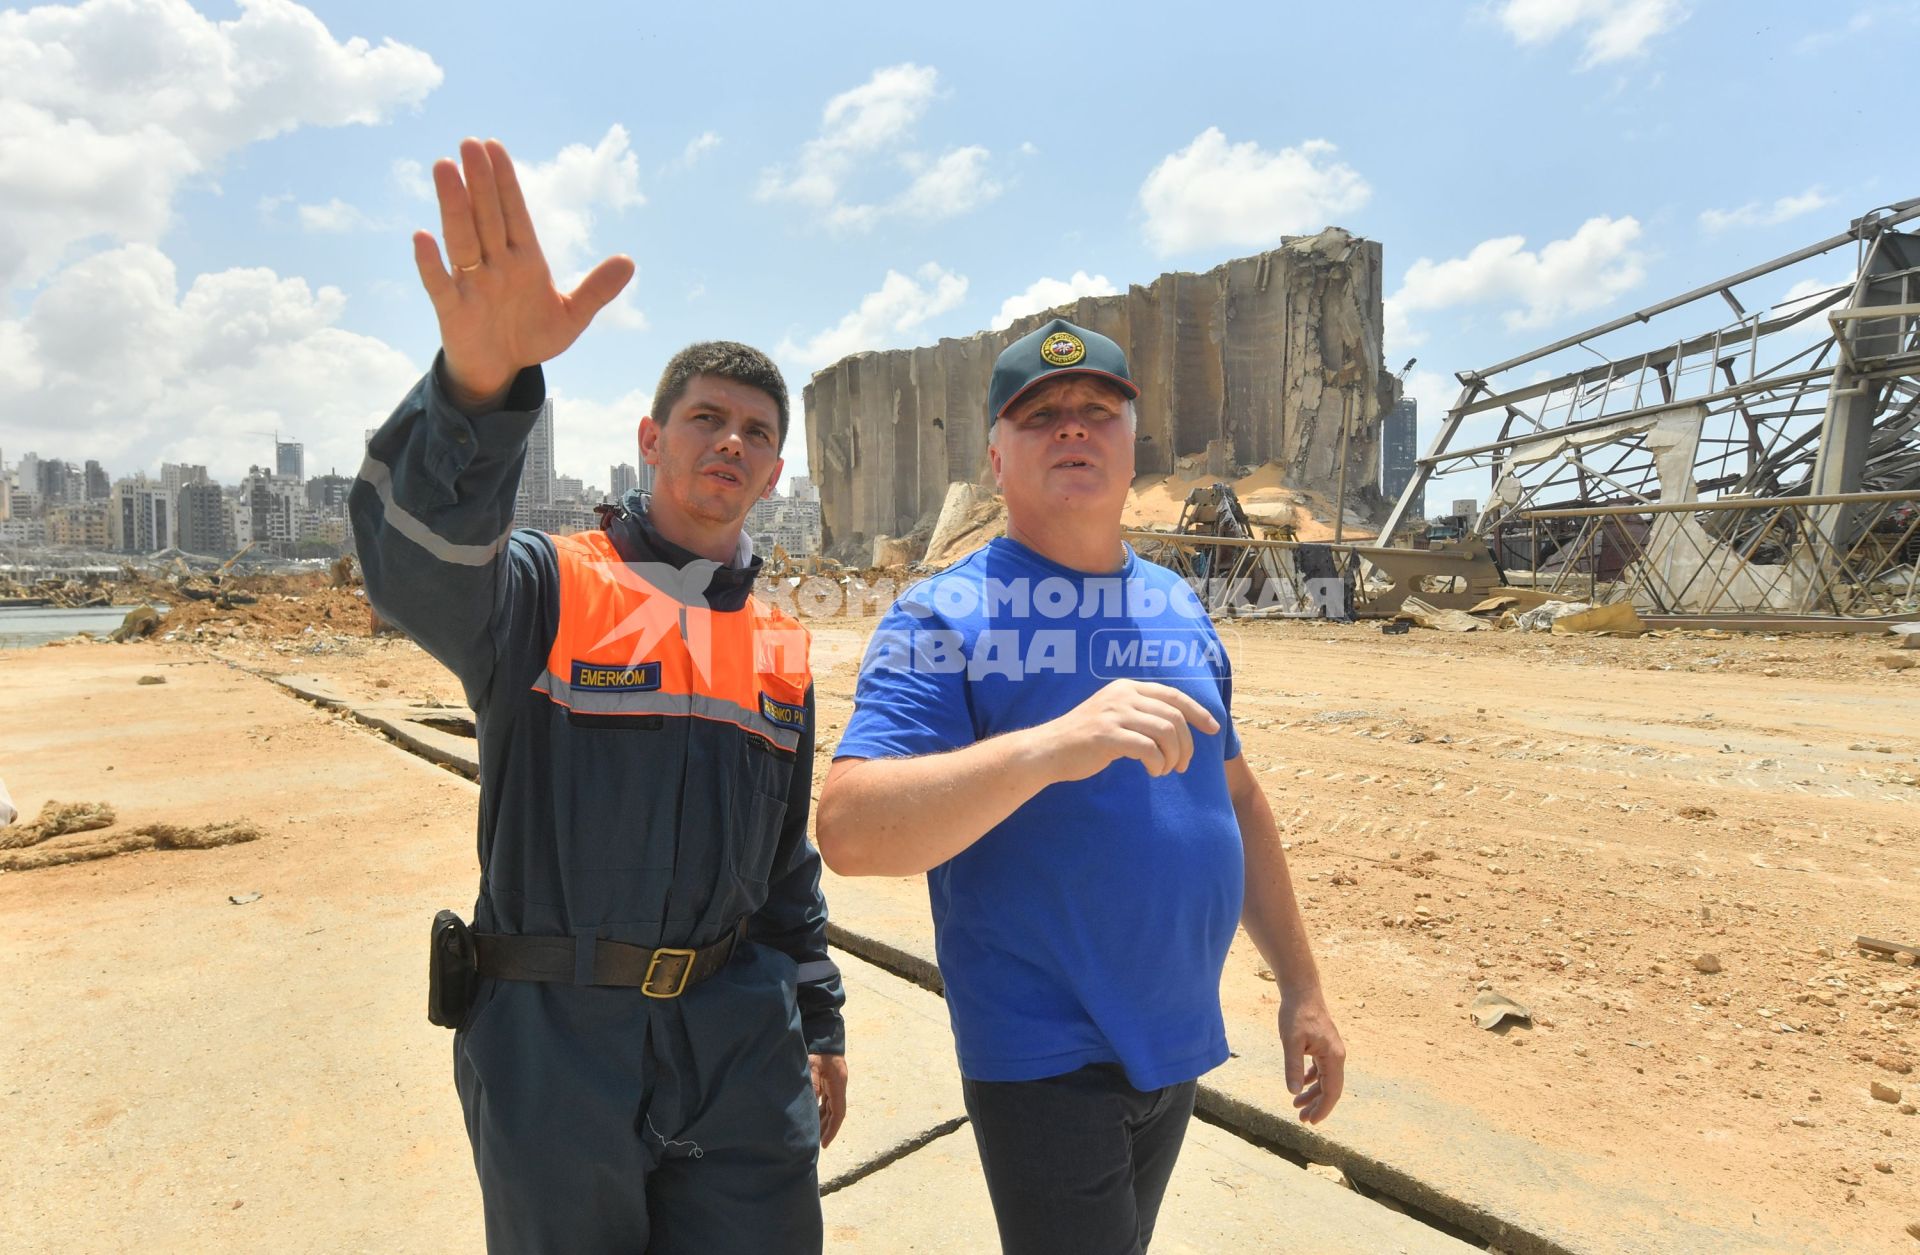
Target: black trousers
column 1077, row 1164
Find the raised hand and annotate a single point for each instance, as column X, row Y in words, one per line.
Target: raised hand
column 1128, row 719
column 499, row 311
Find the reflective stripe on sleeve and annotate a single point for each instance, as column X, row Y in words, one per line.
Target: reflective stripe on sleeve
column 380, row 477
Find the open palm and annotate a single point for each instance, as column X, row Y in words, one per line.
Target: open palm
column 499, row 311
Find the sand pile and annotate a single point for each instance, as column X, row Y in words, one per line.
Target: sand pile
column 1156, row 500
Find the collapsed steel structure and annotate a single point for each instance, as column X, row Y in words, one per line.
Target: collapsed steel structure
column 1769, row 465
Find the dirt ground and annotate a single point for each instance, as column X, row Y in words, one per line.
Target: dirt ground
column 1663, row 846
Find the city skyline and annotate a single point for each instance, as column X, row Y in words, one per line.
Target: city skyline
column 79, row 504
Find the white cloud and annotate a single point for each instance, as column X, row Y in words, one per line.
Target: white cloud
column 864, row 124
column 565, row 194
column 20, row 371
column 1588, row 270
column 1801, row 298
column 900, row 306
column 1755, row 214
column 955, row 184
column 413, row 179
column 111, row 104
column 1806, row 289
column 624, row 311
column 113, row 360
column 874, row 115
column 878, row 111
column 1862, row 20
column 1047, row 293
column 1436, row 394
column 1615, row 30
column 337, row 217
column 701, row 144
column 1212, row 193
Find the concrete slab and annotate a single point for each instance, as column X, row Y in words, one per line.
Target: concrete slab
column 903, row 1085
column 934, row 1200
column 886, row 920
column 1227, row 1195
column 1521, row 1194
column 1401, row 1138
column 420, row 729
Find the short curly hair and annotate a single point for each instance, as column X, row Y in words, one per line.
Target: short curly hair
column 723, row 359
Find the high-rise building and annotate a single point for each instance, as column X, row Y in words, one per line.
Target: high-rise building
column 800, row 488
column 289, row 458
column 1399, row 451
column 141, row 516
column 200, row 509
column 266, row 511
column 536, row 479
column 623, row 479
column 177, row 475
column 56, row 482
column 328, row 493
column 98, row 486
column 567, row 488
column 644, row 477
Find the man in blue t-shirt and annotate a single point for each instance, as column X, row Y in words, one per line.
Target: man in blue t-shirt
column 1045, row 730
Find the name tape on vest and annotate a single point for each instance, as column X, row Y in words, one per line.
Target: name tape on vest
column 640, row 678
column 785, row 715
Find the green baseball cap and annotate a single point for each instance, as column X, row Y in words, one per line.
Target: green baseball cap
column 1057, row 349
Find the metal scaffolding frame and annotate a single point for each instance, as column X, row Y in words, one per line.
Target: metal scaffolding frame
column 1814, row 396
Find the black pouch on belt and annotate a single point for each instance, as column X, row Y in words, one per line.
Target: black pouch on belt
column 452, row 975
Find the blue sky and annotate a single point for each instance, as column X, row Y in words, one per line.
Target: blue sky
column 204, row 209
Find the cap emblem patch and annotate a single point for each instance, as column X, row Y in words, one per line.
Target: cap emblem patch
column 1062, row 348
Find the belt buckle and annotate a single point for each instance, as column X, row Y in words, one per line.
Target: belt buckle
column 679, row 987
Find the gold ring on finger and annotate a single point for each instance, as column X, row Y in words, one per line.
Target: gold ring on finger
column 467, row 270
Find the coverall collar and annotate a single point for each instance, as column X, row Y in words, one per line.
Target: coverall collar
column 703, row 581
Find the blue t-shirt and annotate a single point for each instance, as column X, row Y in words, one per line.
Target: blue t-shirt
column 1091, row 926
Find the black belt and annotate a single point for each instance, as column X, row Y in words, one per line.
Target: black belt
column 666, row 972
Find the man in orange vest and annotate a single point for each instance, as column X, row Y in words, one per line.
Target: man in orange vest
column 649, row 1047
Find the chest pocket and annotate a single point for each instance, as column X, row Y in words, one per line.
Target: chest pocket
column 767, row 773
column 766, row 769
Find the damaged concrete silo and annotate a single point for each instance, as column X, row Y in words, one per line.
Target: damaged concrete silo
column 1250, row 363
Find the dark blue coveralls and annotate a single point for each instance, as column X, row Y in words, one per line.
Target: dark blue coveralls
column 602, row 1119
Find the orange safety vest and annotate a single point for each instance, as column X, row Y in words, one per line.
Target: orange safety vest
column 628, row 646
